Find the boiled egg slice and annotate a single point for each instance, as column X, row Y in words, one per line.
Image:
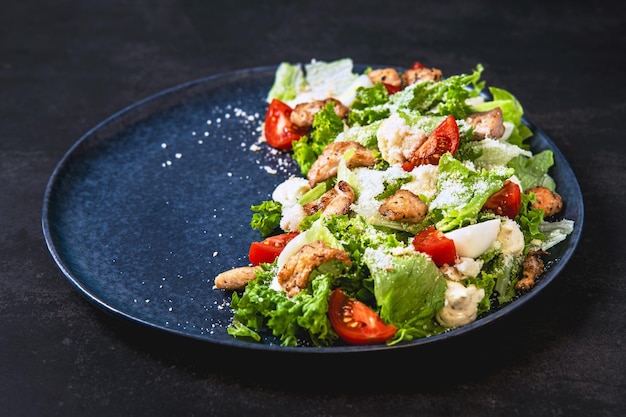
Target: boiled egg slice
column 472, row 241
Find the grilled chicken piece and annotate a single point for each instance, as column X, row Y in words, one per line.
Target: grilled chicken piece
column 404, row 206
column 386, row 76
column 487, row 124
column 412, row 76
column 335, row 201
column 294, row 275
column 533, row 267
column 303, row 113
column 550, row 202
column 237, row 278
column 326, row 165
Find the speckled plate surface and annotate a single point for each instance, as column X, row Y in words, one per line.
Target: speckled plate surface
column 151, row 204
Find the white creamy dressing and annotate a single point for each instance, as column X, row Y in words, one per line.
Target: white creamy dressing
column 463, row 268
column 287, row 193
column 511, row 238
column 461, row 304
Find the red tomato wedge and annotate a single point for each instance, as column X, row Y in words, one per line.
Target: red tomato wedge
column 355, row 322
column 445, row 138
column 506, row 201
column 279, row 131
column 435, row 244
column 392, row 89
column 269, row 249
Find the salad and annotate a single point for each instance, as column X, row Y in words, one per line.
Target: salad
column 420, row 208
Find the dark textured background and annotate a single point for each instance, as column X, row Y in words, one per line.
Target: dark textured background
column 67, row 65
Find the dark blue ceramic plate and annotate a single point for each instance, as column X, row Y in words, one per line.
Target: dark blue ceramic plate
column 150, row 205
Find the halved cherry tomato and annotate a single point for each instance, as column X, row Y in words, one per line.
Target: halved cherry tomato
column 417, row 65
column 279, row 131
column 355, row 322
column 506, row 201
column 269, row 249
column 392, row 89
column 435, row 244
column 445, row 138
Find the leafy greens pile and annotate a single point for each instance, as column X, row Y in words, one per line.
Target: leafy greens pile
column 404, row 286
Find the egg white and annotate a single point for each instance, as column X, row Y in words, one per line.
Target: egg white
column 472, row 241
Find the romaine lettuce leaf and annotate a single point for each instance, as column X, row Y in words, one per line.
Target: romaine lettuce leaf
column 533, row 171
column 529, row 219
column 365, row 135
column 409, row 289
column 462, row 192
column 369, row 106
column 329, row 79
column 555, row 232
column 489, row 152
column 442, row 98
column 448, row 96
column 288, row 82
column 317, row 80
column 499, row 274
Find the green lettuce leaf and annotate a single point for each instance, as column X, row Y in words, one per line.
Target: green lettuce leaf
column 533, row 171
column 316, row 80
column 529, row 219
column 292, row 320
column 448, row 96
column 326, row 126
column 499, row 275
column 555, row 232
column 462, row 192
column 488, row 153
column 512, row 112
column 369, row 106
column 288, row 82
column 329, row 79
column 266, row 217
column 409, row 289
